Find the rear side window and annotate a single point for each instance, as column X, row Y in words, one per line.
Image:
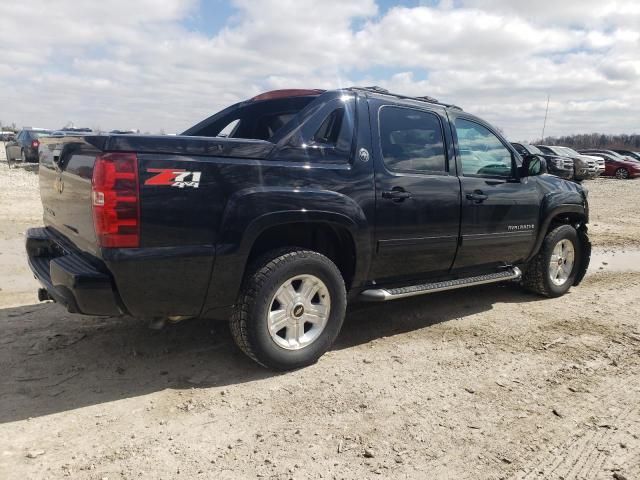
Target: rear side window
column 411, row 140
column 230, row 129
column 335, row 131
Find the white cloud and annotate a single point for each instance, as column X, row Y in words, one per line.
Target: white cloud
column 120, row 64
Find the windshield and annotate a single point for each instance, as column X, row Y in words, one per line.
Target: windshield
column 570, row 151
column 559, row 151
column 617, row 155
column 534, row 150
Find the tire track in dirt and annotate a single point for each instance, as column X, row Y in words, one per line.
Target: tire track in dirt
column 586, row 453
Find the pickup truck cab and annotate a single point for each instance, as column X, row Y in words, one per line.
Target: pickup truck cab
column 310, row 199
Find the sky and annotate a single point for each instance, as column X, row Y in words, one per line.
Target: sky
column 163, row 65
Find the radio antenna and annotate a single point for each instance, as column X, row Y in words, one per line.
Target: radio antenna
column 546, row 112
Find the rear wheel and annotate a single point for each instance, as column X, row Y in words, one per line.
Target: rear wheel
column 622, row 173
column 290, row 309
column 553, row 270
column 23, row 157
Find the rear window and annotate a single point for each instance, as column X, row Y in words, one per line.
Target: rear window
column 254, row 120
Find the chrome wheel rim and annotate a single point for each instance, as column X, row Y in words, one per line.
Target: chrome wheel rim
column 622, row 173
column 299, row 312
column 562, row 261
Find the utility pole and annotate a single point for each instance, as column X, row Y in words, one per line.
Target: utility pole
column 544, row 125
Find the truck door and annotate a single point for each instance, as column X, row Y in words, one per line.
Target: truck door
column 417, row 197
column 499, row 212
column 13, row 147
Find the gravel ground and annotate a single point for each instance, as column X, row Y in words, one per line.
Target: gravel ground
column 488, row 382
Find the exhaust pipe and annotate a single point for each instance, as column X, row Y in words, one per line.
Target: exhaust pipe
column 43, row 295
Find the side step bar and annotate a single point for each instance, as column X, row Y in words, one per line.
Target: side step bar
column 384, row 294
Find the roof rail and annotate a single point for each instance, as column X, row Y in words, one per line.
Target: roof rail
column 384, row 91
column 374, row 89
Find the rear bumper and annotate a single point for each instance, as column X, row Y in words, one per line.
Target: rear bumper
column 71, row 280
column 31, row 155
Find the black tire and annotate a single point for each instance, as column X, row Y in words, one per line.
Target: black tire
column 249, row 324
column 622, row 173
column 537, row 276
column 6, row 151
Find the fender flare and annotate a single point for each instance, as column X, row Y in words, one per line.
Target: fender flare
column 548, row 218
column 250, row 212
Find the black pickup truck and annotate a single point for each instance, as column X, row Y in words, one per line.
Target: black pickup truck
column 277, row 210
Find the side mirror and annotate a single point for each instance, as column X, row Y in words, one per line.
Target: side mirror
column 533, row 165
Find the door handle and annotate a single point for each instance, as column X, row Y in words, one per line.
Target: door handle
column 477, row 196
column 397, row 194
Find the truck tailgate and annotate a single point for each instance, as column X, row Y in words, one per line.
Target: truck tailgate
column 66, row 169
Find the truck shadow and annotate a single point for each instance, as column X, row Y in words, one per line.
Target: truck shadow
column 53, row 361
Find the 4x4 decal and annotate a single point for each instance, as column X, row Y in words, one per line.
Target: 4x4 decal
column 173, row 177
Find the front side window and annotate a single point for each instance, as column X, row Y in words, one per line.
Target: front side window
column 481, row 151
column 411, row 140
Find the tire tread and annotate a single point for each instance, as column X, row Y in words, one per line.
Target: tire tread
column 534, row 278
column 257, row 275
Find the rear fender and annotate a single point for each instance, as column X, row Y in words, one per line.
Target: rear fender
column 251, row 211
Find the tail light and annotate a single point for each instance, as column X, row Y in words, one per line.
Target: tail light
column 116, row 200
column 35, row 143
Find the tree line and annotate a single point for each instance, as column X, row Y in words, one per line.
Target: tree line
column 596, row 140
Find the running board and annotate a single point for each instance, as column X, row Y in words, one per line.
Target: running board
column 384, row 294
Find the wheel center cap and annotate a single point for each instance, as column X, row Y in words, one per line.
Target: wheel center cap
column 298, row 310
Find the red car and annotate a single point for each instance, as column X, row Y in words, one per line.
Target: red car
column 616, row 165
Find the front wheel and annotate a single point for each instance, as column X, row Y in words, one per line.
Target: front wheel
column 554, row 269
column 290, row 309
column 622, row 173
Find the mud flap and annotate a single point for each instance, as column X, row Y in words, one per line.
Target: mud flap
column 585, row 247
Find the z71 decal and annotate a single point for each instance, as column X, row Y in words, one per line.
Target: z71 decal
column 173, row 177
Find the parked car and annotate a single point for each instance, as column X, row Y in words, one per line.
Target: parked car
column 628, row 153
column 583, row 168
column 612, row 153
column 71, row 131
column 557, row 165
column 315, row 198
column 7, row 136
column 573, row 153
column 616, row 165
column 25, row 146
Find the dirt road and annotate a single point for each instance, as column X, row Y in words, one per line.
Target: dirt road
column 488, row 382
